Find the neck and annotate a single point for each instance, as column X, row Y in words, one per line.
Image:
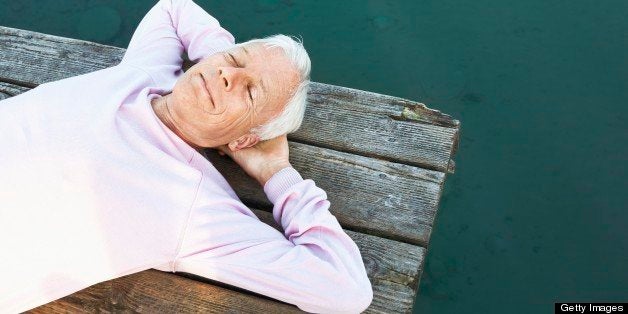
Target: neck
column 162, row 110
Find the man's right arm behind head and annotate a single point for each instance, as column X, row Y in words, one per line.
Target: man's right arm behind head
column 169, row 28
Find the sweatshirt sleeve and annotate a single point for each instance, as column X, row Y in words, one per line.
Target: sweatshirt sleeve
column 169, row 28
column 314, row 264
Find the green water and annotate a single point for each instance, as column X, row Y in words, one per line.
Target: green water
column 535, row 212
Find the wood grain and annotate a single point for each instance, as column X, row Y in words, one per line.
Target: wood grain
column 9, row 90
column 377, row 197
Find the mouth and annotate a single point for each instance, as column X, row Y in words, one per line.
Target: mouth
column 206, row 89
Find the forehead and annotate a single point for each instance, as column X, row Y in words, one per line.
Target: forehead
column 272, row 59
column 273, row 67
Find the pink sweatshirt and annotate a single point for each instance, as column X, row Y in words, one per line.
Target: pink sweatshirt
column 93, row 186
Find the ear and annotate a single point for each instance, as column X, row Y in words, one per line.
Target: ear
column 244, row 141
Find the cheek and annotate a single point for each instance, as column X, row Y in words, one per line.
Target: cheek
column 184, row 93
column 180, row 106
column 237, row 116
column 232, row 114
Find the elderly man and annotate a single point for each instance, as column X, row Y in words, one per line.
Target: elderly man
column 102, row 175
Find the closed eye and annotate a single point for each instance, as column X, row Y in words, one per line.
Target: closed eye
column 235, row 63
column 233, row 60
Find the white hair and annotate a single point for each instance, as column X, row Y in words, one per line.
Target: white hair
column 289, row 120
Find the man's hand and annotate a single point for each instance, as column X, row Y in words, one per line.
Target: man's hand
column 263, row 160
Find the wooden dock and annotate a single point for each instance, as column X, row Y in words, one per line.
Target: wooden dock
column 382, row 161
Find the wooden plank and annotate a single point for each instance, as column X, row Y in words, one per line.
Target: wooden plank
column 154, row 291
column 379, row 126
column 340, row 118
column 9, row 90
column 393, row 267
column 94, row 299
column 30, row 58
column 378, row 197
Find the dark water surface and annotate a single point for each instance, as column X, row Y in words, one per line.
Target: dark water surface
column 536, row 211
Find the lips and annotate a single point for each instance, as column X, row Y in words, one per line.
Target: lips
column 204, row 85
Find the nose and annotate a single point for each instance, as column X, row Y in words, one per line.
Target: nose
column 230, row 77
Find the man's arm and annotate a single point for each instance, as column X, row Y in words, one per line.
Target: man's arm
column 314, row 265
column 169, row 28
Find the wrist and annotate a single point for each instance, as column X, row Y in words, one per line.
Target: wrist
column 270, row 169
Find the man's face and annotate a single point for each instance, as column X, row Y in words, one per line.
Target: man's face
column 218, row 100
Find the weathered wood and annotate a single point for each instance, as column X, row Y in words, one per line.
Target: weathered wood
column 154, row 291
column 94, row 299
column 378, row 197
column 340, row 118
column 391, row 200
column 9, row 90
column 30, row 58
column 379, row 126
column 393, row 268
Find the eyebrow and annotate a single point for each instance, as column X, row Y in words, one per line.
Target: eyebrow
column 248, row 55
